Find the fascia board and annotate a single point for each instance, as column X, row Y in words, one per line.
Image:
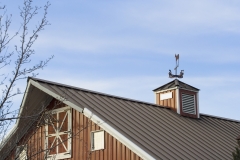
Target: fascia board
column 12, row 131
column 58, row 97
column 198, row 112
column 132, row 146
column 189, row 90
column 166, row 90
column 23, row 102
column 37, row 85
column 176, row 88
column 177, row 101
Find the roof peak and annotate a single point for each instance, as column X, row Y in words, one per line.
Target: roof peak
column 93, row 92
column 176, row 83
column 128, row 99
column 217, row 117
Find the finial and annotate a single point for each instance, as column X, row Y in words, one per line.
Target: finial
column 177, row 65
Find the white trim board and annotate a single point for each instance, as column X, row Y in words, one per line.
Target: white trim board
column 58, row 97
column 47, row 91
column 132, row 146
column 166, row 90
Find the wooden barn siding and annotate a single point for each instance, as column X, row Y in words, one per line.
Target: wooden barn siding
column 114, row 150
column 35, row 143
column 167, row 102
column 81, row 127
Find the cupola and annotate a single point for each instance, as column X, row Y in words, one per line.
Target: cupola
column 179, row 96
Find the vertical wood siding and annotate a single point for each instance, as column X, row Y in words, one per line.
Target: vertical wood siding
column 81, row 129
column 167, row 102
column 114, row 150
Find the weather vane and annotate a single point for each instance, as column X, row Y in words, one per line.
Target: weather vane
column 177, row 64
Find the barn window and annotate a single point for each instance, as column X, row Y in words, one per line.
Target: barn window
column 97, row 140
column 58, row 134
column 21, row 152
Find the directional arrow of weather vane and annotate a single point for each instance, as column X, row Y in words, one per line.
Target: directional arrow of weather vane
column 177, row 65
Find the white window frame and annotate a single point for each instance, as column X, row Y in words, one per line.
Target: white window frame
column 68, row 153
column 100, row 146
column 21, row 152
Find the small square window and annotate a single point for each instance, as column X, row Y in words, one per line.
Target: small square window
column 97, row 140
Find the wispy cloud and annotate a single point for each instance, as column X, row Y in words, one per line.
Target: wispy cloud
column 89, row 37
column 188, row 16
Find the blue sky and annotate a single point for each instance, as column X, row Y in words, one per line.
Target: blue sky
column 126, row 48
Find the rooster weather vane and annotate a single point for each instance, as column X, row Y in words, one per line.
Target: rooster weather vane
column 177, row 64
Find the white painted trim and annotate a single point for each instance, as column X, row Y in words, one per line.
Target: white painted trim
column 155, row 94
column 167, row 95
column 23, row 102
column 68, row 153
column 9, row 134
column 140, row 152
column 21, row 155
column 13, row 130
column 178, row 101
column 188, row 90
column 58, row 97
column 176, row 88
column 198, row 115
column 47, row 91
column 166, row 90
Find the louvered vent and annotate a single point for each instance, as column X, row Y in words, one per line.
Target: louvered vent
column 188, row 104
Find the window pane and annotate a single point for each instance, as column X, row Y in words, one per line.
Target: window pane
column 63, row 121
column 52, row 124
column 63, row 143
column 52, row 144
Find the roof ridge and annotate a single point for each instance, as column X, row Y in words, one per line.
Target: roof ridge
column 179, row 83
column 122, row 98
column 218, row 117
column 163, row 85
column 95, row 92
column 188, row 84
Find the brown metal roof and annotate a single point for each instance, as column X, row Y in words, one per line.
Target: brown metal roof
column 159, row 131
column 238, row 138
column 176, row 83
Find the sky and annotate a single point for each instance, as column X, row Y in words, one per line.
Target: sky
column 126, row 48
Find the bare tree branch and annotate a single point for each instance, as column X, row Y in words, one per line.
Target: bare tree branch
column 20, row 58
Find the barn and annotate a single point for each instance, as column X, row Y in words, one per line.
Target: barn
column 60, row 121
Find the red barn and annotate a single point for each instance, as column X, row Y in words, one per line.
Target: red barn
column 64, row 122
